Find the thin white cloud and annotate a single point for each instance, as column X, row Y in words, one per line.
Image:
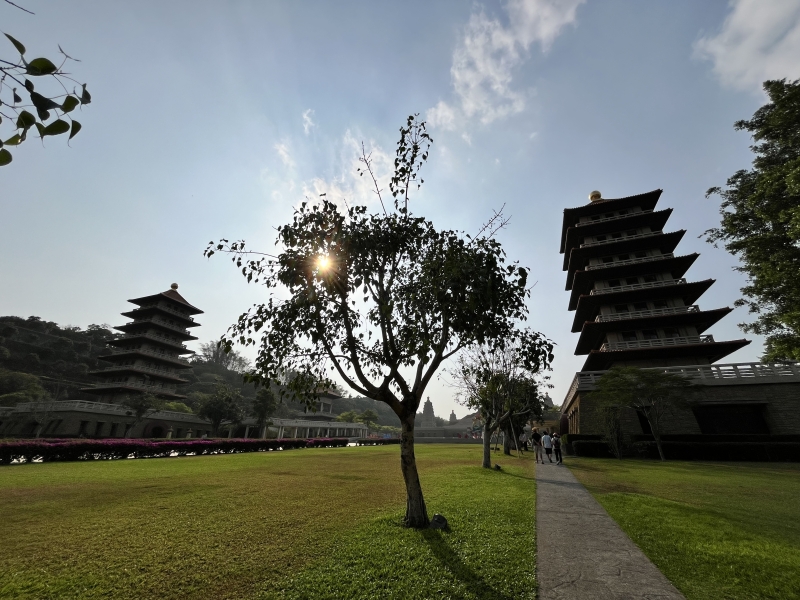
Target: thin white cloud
column 308, row 123
column 759, row 40
column 348, row 188
column 286, row 158
column 488, row 54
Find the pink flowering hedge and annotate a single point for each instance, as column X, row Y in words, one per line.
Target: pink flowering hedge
column 49, row 450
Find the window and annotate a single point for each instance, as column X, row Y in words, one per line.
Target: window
column 623, row 257
column 631, row 232
column 608, row 215
column 607, row 259
column 594, row 217
column 600, row 238
column 640, row 306
column 671, row 332
column 624, row 211
column 614, row 283
column 660, row 304
column 650, row 278
column 621, row 308
column 649, row 334
column 616, row 236
column 98, row 428
column 82, row 429
column 113, row 432
column 631, row 280
column 641, row 254
column 628, row 336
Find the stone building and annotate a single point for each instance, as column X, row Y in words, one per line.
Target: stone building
column 633, row 307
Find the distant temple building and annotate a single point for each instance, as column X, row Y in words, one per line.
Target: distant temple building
column 633, row 307
column 428, row 418
column 148, row 358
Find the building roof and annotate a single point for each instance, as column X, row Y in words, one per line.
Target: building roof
column 172, row 295
column 589, row 305
column 646, row 201
column 578, row 258
column 711, row 351
column 594, row 332
column 653, row 219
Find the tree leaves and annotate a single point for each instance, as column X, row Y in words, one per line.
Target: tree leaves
column 69, row 104
column 5, row 157
column 20, row 48
column 25, row 120
column 41, row 66
column 76, row 127
column 86, row 97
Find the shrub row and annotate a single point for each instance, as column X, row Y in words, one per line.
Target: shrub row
column 110, row 449
column 377, row 442
column 590, row 448
column 741, row 451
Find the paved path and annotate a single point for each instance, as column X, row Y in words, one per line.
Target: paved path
column 582, row 552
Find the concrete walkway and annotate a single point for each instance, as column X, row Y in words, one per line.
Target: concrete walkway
column 582, row 552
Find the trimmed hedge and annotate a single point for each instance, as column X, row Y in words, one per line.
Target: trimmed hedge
column 111, row 449
column 591, row 449
column 722, row 451
column 377, row 442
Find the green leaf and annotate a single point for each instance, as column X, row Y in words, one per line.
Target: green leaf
column 25, row 120
column 14, row 140
column 70, row 102
column 56, row 128
column 5, row 157
column 28, row 85
column 41, row 66
column 40, row 129
column 86, row 97
column 21, row 49
column 76, row 127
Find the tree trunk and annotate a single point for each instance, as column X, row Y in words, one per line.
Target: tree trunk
column 506, row 443
column 487, row 446
column 416, row 512
column 656, row 434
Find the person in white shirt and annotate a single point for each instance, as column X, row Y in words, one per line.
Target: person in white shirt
column 547, row 443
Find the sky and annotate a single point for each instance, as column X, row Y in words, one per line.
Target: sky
column 214, row 120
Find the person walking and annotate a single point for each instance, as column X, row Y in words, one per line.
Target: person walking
column 536, row 439
column 547, row 442
column 523, row 439
column 557, row 448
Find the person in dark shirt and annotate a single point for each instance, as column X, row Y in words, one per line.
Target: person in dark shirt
column 557, row 448
column 536, row 440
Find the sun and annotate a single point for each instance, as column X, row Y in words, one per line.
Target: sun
column 323, row 262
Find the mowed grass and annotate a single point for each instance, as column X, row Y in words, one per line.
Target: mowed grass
column 322, row 523
column 718, row 531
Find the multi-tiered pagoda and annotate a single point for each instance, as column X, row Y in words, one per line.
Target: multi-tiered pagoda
column 148, row 357
column 632, row 304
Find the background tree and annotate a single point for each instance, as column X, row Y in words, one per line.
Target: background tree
column 222, row 405
column 380, row 299
column 761, row 221
column 348, row 416
column 140, row 406
column 369, row 417
column 499, row 381
column 652, row 393
column 214, row 354
column 264, row 406
column 17, row 76
column 18, row 387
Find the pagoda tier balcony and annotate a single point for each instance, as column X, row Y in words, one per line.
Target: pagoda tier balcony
column 576, row 259
column 572, row 216
column 150, row 337
column 646, row 285
column 125, row 353
column 584, row 281
column 594, row 332
column 651, row 352
column 141, row 325
column 150, row 371
column 654, row 220
column 133, row 386
column 154, row 308
column 588, row 306
column 657, row 343
column 630, row 261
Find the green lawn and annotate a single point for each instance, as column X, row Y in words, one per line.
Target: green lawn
column 718, row 531
column 304, row 523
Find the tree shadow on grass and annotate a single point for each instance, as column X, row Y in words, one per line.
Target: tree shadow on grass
column 461, row 572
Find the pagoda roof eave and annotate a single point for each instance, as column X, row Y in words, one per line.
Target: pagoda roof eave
column 133, row 327
column 171, row 295
column 138, row 371
column 577, row 258
column 593, row 332
column 712, row 351
column 655, row 220
column 589, row 305
column 122, row 342
column 125, row 355
column 186, row 321
column 122, row 388
column 646, row 201
column 583, row 280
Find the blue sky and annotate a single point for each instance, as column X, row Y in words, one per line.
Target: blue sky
column 214, row 119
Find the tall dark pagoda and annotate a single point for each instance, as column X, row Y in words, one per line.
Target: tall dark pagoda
column 148, row 357
column 632, row 304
